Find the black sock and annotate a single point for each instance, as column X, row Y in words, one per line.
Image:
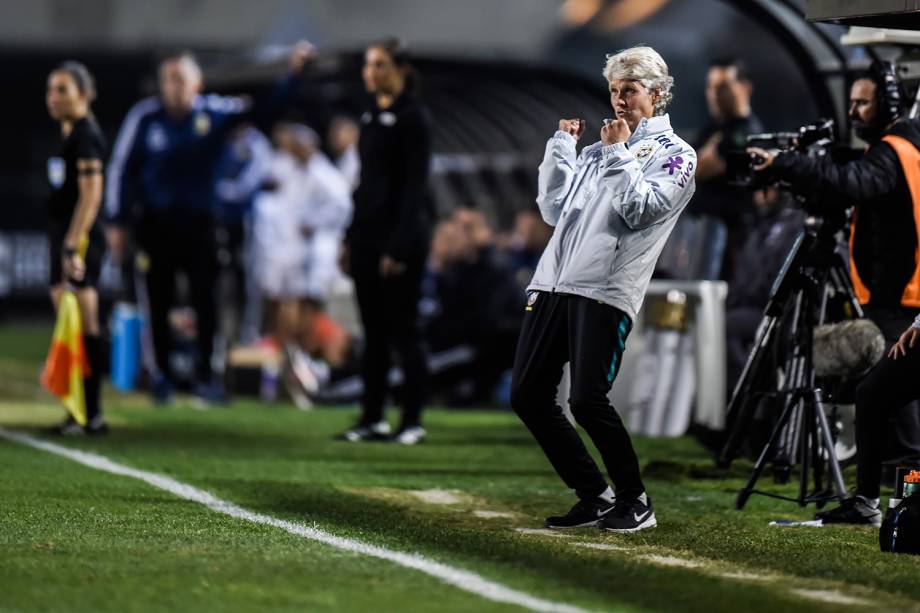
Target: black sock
column 91, row 384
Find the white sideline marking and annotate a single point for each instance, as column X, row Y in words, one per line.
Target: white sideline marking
column 436, row 496
column 672, row 561
column 492, row 514
column 743, row 576
column 542, row 532
column 601, row 546
column 831, row 596
column 459, row 578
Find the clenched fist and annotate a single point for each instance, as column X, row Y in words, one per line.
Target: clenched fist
column 615, row 131
column 575, row 127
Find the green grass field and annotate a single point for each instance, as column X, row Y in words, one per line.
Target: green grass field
column 73, row 538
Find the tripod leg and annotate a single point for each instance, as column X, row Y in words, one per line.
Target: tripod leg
column 805, row 439
column 817, row 443
column 761, row 464
column 739, row 408
column 836, row 474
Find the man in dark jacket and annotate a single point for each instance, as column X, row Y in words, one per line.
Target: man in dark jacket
column 161, row 182
column 883, row 245
column 728, row 99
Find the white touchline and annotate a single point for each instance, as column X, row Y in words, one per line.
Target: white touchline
column 463, row 579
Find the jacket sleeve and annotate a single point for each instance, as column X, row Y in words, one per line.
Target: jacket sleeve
column 121, row 176
column 645, row 198
column 262, row 111
column 875, row 174
column 557, row 171
column 412, row 194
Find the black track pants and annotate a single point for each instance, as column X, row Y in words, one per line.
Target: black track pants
column 591, row 336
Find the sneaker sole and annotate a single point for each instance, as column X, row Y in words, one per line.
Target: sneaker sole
column 873, row 524
column 651, row 522
column 590, row 524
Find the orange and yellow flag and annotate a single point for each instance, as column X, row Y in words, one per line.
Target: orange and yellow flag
column 67, row 363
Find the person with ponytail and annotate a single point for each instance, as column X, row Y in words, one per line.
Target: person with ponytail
column 388, row 240
column 76, row 240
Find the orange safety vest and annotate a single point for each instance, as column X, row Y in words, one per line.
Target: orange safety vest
column 909, row 157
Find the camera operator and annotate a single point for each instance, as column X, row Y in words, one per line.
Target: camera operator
column 728, row 99
column 884, row 186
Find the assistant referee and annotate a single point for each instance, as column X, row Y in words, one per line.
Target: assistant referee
column 75, row 237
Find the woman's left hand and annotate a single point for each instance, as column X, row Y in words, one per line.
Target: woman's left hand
column 390, row 267
column 616, row 131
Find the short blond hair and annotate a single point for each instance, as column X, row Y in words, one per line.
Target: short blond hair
column 645, row 65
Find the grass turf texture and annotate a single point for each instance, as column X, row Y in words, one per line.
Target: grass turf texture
column 72, row 538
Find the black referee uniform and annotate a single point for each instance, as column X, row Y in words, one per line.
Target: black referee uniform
column 85, row 142
column 393, row 216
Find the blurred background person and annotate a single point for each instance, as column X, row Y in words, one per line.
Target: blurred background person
column 775, row 230
column 731, row 120
column 161, row 180
column 241, row 173
column 472, row 299
column 75, row 238
column 525, row 243
column 298, row 227
column 343, row 147
column 388, row 240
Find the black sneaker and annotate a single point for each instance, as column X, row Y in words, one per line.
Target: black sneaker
column 97, row 426
column 585, row 513
column 68, row 427
column 360, row 433
column 854, row 510
column 629, row 516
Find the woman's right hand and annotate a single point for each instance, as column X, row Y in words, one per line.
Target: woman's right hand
column 575, row 127
column 907, row 341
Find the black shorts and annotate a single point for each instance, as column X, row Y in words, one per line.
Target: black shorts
column 94, row 253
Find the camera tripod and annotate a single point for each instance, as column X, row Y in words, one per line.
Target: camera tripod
column 812, row 273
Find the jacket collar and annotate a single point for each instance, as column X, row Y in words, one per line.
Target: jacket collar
column 647, row 128
column 650, row 126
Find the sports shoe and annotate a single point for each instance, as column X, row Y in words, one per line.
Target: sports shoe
column 97, row 426
column 629, row 516
column 379, row 431
column 161, row 390
column 854, row 510
column 296, row 392
column 585, row 513
column 413, row 435
column 210, row 394
column 68, row 427
column 312, row 374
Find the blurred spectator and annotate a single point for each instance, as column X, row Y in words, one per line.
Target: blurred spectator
column 525, row 243
column 472, row 298
column 343, row 147
column 298, row 230
column 162, row 180
column 241, row 172
column 728, row 99
column 771, row 237
column 388, row 241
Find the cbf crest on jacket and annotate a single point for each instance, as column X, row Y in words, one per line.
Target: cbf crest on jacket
column 613, row 208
